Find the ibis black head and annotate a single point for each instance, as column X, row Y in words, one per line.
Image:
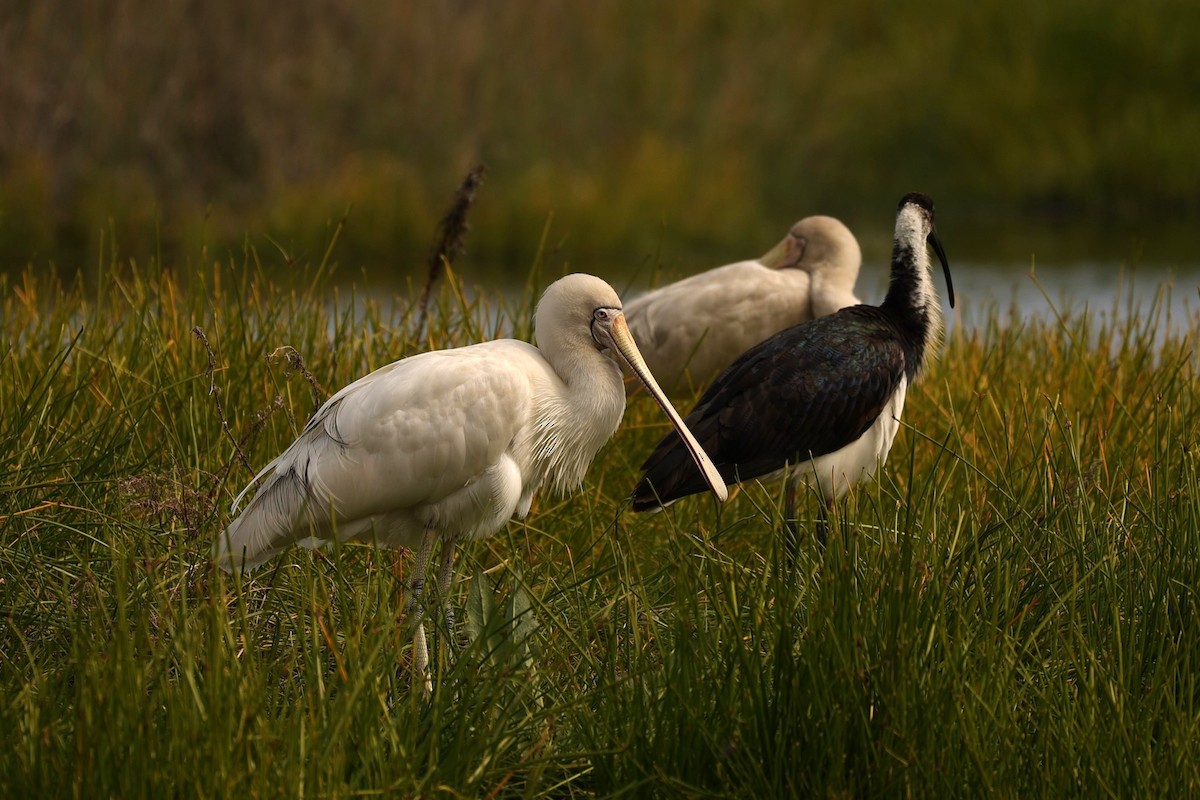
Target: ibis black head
column 925, row 202
column 917, row 199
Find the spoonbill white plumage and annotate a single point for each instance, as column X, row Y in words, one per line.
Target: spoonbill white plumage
column 447, row 445
column 822, row 398
column 690, row 330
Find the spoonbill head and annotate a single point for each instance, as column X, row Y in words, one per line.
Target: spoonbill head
column 822, row 398
column 692, row 329
column 448, row 445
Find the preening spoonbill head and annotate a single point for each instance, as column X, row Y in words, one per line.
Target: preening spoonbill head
column 690, row 330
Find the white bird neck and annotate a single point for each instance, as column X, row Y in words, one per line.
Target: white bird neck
column 580, row 414
column 585, row 369
column 911, row 296
column 832, row 286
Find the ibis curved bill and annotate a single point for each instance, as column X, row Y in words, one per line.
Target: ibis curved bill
column 690, row 330
column 823, row 398
column 448, row 445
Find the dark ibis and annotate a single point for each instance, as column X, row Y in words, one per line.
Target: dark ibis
column 822, row 398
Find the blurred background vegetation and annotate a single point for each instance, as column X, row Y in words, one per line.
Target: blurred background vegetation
column 631, row 127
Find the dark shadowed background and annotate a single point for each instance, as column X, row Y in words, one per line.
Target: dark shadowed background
column 637, row 133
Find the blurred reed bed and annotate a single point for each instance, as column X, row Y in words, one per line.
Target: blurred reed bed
column 189, row 124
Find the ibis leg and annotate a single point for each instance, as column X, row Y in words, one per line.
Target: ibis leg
column 823, row 510
column 791, row 532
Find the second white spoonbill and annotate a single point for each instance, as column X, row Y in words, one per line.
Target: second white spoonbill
column 690, row 330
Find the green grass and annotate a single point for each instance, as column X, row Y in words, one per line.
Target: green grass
column 1011, row 610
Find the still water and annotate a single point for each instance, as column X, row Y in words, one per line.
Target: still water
column 1035, row 269
column 1009, row 291
column 1049, row 291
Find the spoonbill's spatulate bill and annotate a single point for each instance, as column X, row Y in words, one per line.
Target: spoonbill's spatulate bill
column 823, row 398
column 448, row 445
column 690, row 330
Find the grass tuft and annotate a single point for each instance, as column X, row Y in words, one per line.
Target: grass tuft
column 1010, row 610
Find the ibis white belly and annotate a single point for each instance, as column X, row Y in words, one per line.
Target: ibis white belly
column 834, row 473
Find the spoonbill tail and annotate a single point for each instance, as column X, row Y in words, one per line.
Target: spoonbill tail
column 692, row 329
column 822, row 398
column 448, row 445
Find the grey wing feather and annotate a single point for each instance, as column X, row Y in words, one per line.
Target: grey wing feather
column 283, row 510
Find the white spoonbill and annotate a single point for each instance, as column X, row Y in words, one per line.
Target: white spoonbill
column 692, row 329
column 447, row 445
